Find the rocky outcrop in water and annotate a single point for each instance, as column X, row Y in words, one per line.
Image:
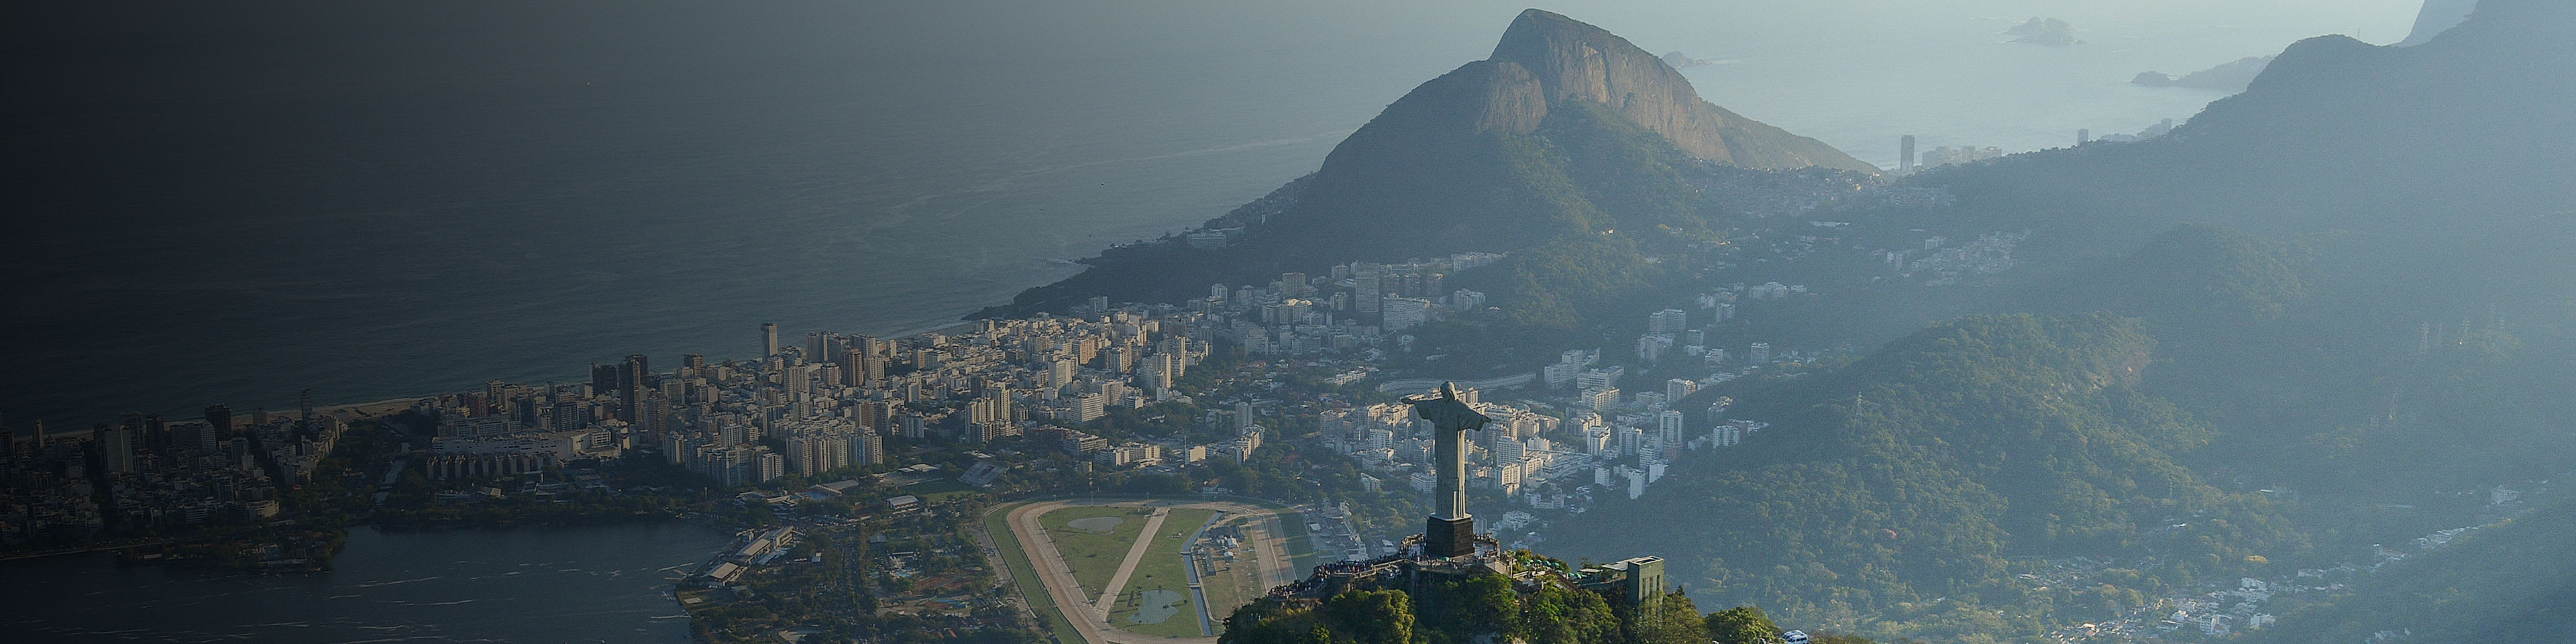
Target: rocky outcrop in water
column 2044, row 31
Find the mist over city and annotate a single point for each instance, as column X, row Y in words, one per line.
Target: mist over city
column 1160, row 322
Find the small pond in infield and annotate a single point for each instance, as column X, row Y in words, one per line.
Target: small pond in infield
column 1096, row 525
column 1154, row 606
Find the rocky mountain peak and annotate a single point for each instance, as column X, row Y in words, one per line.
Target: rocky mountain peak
column 1572, row 60
column 1577, row 60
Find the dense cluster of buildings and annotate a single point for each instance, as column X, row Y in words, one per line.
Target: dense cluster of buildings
column 1583, row 431
column 1544, row 461
column 750, row 549
column 831, row 402
column 145, row 473
column 1354, row 305
column 1945, row 263
column 826, row 404
column 1941, row 156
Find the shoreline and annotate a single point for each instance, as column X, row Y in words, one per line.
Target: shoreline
column 391, row 406
column 382, row 526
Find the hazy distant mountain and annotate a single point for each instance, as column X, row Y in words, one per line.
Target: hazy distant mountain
column 1567, row 131
column 2335, row 133
column 2438, row 16
column 2229, row 77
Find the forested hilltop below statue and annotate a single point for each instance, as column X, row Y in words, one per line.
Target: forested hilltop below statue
column 1449, row 585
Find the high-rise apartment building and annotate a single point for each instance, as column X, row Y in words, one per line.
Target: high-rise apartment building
column 219, row 417
column 1678, row 388
column 1667, row 321
column 1905, row 150
column 869, row 449
column 1367, row 284
column 603, row 379
column 1404, row 312
column 634, row 375
column 115, row 449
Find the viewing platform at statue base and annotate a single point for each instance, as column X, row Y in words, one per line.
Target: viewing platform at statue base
column 1411, row 566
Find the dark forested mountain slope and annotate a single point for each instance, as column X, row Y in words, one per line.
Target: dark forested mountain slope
column 1913, row 473
column 2358, row 365
column 2510, row 583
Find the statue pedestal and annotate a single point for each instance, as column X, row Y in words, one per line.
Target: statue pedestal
column 1449, row 537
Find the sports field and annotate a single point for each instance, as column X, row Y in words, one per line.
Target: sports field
column 1157, row 599
column 1094, row 540
column 1114, row 571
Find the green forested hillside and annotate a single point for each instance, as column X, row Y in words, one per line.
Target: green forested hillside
column 1493, row 608
column 2508, row 583
column 2362, row 367
column 1889, row 493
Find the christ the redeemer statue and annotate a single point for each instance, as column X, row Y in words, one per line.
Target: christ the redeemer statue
column 1450, row 531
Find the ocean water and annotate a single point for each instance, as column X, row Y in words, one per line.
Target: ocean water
column 230, row 203
column 580, row 584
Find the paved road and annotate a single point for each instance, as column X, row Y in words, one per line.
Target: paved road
column 1094, row 623
column 1127, row 567
column 1001, row 570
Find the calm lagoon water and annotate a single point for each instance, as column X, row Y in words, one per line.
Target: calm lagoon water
column 575, row 584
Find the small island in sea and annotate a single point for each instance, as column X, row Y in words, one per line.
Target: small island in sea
column 2044, row 31
column 1680, row 61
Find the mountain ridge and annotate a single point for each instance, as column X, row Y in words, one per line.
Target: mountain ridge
column 2466, row 130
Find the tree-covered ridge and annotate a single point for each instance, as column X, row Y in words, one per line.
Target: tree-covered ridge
column 2358, row 368
column 1494, row 608
column 1899, row 486
column 2202, row 276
